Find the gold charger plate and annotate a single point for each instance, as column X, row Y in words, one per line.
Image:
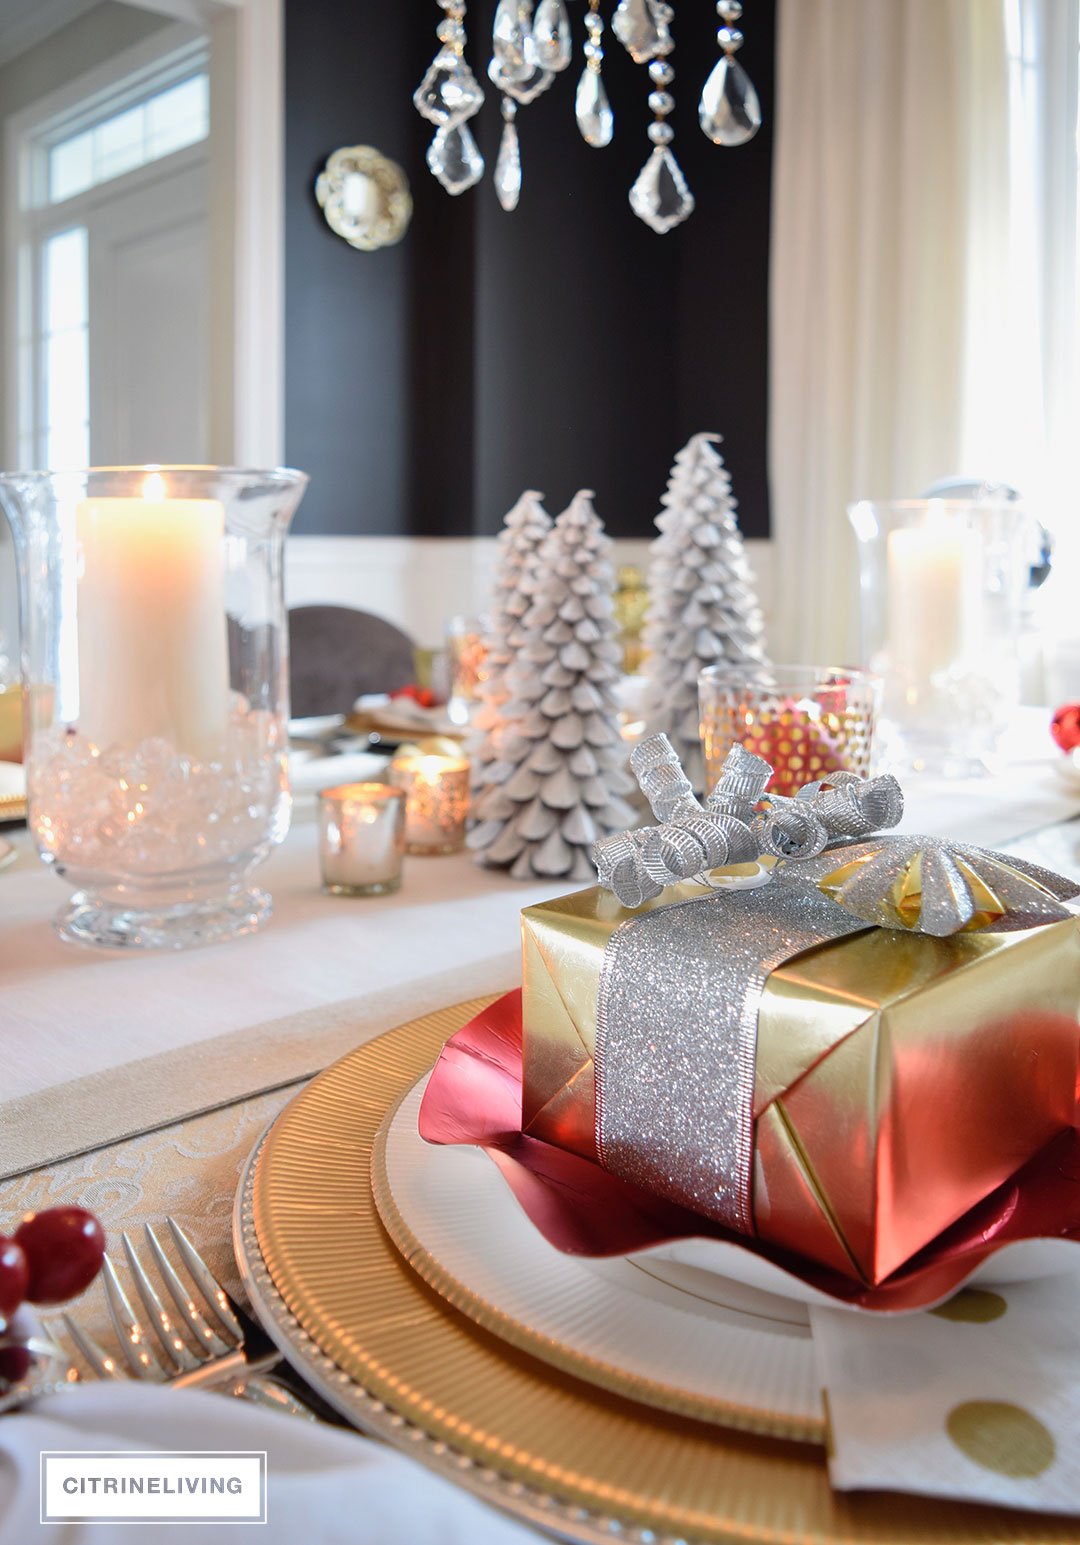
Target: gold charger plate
column 550, row 1348
column 399, row 1361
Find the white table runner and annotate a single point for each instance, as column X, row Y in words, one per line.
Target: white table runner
column 329, row 972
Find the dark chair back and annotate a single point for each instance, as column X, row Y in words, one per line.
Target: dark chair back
column 337, row 653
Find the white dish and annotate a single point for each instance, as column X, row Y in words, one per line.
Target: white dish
column 317, row 727
column 309, row 774
column 712, row 1270
column 635, row 1319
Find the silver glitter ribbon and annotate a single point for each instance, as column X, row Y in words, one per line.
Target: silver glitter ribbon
column 676, row 1043
column 738, row 823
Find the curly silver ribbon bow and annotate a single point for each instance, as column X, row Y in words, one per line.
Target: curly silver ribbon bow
column 693, row 839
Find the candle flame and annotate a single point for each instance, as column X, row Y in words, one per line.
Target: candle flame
column 154, row 488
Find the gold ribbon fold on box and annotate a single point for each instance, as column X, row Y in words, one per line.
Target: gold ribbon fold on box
column 887, row 1081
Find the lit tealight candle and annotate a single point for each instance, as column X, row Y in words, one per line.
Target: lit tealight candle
column 361, row 838
column 436, row 801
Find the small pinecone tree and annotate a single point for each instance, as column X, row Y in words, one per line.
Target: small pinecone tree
column 703, row 608
column 516, row 570
column 562, row 765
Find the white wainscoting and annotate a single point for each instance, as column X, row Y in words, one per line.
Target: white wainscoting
column 417, row 582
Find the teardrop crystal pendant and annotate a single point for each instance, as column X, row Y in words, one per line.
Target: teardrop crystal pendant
column 595, row 119
column 729, row 111
column 637, row 30
column 449, row 90
column 454, row 158
column 508, row 164
column 512, row 39
column 523, row 89
column 660, row 195
column 551, row 35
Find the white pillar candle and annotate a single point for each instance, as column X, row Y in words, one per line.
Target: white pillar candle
column 930, row 598
column 153, row 646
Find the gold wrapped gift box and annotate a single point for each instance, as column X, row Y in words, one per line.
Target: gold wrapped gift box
column 899, row 1078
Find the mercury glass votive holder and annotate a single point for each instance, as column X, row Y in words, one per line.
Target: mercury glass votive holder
column 806, row 720
column 466, row 651
column 436, row 790
column 361, row 838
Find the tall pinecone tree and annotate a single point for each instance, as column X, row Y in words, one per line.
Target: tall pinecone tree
column 703, row 608
column 516, row 570
column 562, row 766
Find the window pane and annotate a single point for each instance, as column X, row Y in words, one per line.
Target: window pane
column 65, row 349
column 178, row 117
column 65, row 281
column 118, row 144
column 70, row 167
column 65, row 376
column 159, row 126
column 67, row 446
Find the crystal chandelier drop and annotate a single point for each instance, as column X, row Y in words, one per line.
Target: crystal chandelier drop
column 532, row 44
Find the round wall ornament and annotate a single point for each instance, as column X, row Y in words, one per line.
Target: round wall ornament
column 364, row 197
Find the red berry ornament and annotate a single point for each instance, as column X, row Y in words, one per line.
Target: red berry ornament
column 1065, row 727
column 64, row 1248
column 14, row 1277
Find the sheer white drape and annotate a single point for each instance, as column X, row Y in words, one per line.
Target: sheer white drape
column 1035, row 435
column 890, row 208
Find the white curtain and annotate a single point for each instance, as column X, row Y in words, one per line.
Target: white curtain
column 890, row 221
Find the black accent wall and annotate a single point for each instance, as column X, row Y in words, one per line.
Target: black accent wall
column 563, row 345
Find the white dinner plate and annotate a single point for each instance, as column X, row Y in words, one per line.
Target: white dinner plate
column 676, row 1337
column 703, row 1270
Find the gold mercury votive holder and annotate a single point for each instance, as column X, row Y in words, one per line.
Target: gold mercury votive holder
column 436, row 790
column 806, row 720
column 361, row 838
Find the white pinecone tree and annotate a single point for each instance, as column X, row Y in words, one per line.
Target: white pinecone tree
column 561, row 770
column 516, row 569
column 703, row 607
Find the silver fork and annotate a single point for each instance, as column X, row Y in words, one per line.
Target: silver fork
column 198, row 1336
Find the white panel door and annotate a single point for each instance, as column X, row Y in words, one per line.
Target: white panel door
column 149, row 322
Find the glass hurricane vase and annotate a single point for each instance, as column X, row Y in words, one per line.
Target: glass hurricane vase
column 154, row 651
column 942, row 585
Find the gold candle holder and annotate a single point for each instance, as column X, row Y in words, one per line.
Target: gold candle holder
column 436, row 792
column 361, row 838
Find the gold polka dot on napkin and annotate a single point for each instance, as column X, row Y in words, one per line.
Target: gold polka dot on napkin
column 974, row 1306
column 1001, row 1437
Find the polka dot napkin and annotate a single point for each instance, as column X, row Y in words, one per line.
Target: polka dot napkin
column 978, row 1399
